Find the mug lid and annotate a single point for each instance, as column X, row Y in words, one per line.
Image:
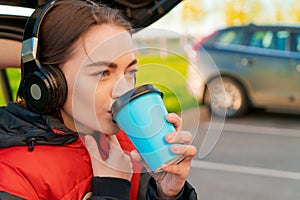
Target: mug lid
column 132, row 94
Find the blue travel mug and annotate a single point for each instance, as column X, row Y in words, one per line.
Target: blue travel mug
column 141, row 113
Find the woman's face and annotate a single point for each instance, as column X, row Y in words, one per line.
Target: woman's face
column 101, row 69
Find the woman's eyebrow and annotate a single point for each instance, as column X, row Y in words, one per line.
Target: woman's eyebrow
column 132, row 63
column 110, row 64
column 103, row 63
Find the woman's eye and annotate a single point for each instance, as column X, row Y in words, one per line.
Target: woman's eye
column 132, row 72
column 103, row 73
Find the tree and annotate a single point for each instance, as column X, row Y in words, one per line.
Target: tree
column 238, row 12
column 295, row 10
column 192, row 10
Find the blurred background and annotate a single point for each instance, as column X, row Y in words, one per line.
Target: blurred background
column 198, row 18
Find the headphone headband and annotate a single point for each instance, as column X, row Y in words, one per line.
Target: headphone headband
column 30, row 37
column 44, row 88
column 34, row 22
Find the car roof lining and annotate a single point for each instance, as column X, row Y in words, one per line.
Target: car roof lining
column 37, row 3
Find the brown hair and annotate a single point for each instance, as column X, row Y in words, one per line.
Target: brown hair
column 66, row 22
column 62, row 27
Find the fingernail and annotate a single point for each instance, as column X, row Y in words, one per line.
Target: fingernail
column 164, row 165
column 169, row 136
column 171, row 116
column 175, row 147
column 87, row 138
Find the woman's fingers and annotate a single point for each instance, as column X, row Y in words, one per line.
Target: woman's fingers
column 92, row 147
column 115, row 149
column 93, row 151
column 118, row 164
column 175, row 120
column 182, row 137
column 113, row 142
column 136, row 156
column 189, row 151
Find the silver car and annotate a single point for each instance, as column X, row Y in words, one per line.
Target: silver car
column 243, row 67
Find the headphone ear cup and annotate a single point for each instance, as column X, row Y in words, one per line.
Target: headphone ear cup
column 44, row 90
column 59, row 84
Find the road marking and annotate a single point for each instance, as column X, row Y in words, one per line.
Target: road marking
column 259, row 130
column 246, row 170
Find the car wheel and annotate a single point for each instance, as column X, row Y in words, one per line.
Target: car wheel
column 226, row 97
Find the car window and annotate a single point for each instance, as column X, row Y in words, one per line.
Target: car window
column 269, row 39
column 297, row 42
column 231, row 37
column 281, row 40
column 261, row 39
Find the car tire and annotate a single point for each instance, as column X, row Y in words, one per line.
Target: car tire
column 226, row 97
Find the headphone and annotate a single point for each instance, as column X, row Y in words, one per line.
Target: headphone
column 44, row 88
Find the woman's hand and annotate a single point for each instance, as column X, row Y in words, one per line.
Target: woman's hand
column 172, row 179
column 117, row 165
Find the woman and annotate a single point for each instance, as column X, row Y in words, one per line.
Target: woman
column 43, row 155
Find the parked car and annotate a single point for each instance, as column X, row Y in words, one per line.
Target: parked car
column 14, row 14
column 244, row 67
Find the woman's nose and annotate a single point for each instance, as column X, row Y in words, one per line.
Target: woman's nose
column 121, row 87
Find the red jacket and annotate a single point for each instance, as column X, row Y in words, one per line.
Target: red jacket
column 53, row 172
column 41, row 159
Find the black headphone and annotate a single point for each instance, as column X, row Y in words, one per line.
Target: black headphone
column 44, row 88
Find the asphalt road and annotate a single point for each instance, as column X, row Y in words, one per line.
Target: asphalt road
column 255, row 157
